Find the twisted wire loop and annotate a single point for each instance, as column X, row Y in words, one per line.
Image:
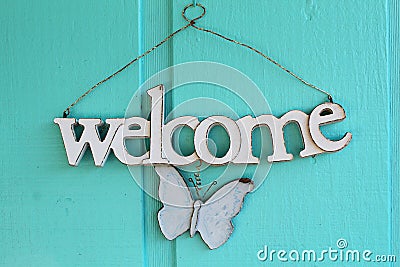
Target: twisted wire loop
column 191, row 23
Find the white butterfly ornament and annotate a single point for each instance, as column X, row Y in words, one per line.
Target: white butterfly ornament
column 212, row 218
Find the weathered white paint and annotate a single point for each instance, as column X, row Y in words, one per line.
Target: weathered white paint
column 125, row 132
column 90, row 137
column 173, row 157
column 201, row 139
column 157, row 118
column 334, row 113
column 212, row 218
column 161, row 148
column 247, row 124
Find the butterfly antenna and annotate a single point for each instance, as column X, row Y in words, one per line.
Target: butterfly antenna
column 195, row 186
column 211, row 185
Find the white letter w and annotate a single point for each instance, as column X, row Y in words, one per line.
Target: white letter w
column 90, row 137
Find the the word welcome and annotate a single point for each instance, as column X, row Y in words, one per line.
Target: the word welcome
column 161, row 148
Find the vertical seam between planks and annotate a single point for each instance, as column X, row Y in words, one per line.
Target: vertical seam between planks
column 389, row 125
column 141, row 78
column 171, row 63
column 394, row 82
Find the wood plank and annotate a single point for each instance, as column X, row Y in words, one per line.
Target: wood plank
column 52, row 214
column 155, row 25
column 393, row 121
column 55, row 215
column 305, row 203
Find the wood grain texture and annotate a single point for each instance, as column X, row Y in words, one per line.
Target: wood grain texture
column 393, row 13
column 54, row 215
column 155, row 25
column 306, row 202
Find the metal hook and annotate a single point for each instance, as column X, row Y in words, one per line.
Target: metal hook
column 66, row 113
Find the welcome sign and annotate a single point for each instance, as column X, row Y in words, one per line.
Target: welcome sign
column 305, row 210
column 184, row 210
column 161, row 148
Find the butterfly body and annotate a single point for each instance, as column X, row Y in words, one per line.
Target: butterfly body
column 196, row 207
column 211, row 218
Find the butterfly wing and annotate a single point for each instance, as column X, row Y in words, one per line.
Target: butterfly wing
column 175, row 217
column 215, row 215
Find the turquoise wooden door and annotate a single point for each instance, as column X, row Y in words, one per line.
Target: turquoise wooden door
column 52, row 214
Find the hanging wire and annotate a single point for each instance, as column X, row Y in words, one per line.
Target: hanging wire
column 191, row 23
column 266, row 57
column 68, row 109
